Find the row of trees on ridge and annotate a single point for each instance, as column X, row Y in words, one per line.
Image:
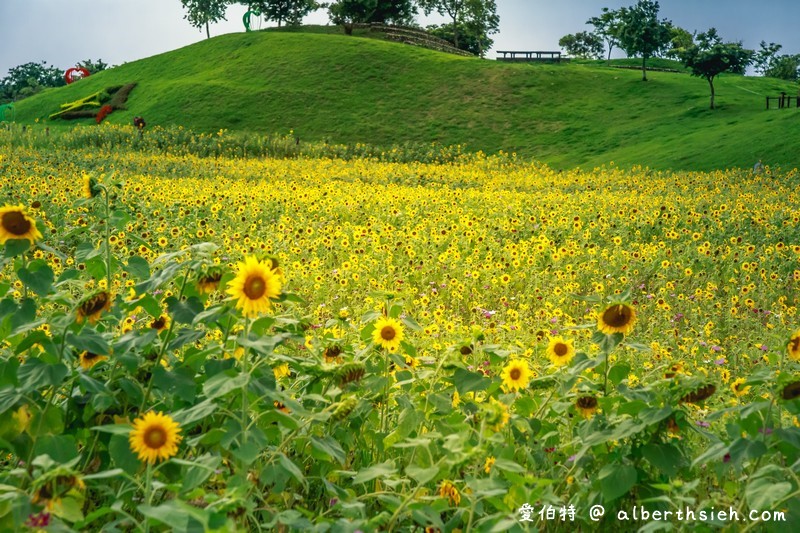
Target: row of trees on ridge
column 639, row 32
column 472, row 21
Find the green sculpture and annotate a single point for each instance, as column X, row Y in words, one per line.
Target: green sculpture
column 7, row 113
column 246, row 19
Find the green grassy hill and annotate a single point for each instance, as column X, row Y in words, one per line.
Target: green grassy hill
column 348, row 89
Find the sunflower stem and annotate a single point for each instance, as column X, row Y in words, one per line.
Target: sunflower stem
column 163, row 346
column 108, row 240
column 148, row 492
column 245, row 370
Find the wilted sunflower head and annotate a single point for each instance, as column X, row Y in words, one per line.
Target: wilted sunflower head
column 791, row 391
column 17, row 224
column 208, row 280
column 90, row 188
column 586, row 405
column 88, row 359
column 699, row 394
column 93, row 306
column 618, row 317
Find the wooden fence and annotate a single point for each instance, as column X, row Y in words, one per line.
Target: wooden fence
column 784, row 100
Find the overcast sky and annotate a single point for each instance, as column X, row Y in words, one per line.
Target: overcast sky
column 63, row 32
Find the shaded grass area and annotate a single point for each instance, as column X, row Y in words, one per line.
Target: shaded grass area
column 345, row 89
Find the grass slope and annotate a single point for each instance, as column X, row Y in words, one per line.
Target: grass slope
column 350, row 89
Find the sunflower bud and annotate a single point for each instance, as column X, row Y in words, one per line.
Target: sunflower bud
column 342, row 410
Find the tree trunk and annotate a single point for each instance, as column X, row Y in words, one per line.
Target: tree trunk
column 208, row 32
column 455, row 30
column 711, row 84
column 644, row 68
column 610, row 47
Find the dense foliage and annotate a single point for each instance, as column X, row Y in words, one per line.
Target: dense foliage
column 318, row 343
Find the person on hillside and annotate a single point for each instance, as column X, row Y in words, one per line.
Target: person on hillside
column 758, row 168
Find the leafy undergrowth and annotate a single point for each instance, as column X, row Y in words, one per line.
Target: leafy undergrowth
column 330, row 344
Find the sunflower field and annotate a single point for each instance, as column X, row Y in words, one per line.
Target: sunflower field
column 415, row 339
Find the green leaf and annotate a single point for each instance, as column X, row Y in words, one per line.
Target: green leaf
column 329, row 448
column 508, row 465
column 138, row 268
column 106, row 474
column 618, row 372
column 606, row 342
column 466, row 381
column 38, row 277
column 47, row 422
column 187, row 417
column 114, row 429
column 766, row 493
column 198, row 471
column 60, row 448
column 665, row 457
column 89, row 340
column 221, row 384
column 381, row 470
column 420, row 474
column 616, row 480
column 15, row 247
column 35, row 374
column 183, row 312
column 291, row 468
column 120, row 450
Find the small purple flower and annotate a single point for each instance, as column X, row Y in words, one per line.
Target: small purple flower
column 333, row 502
column 571, row 458
column 553, row 332
column 766, row 431
column 716, row 348
column 554, row 320
column 703, row 343
column 720, row 361
column 703, row 423
column 764, row 348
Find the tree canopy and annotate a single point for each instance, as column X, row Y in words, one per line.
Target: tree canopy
column 642, row 34
column 393, row 11
column 583, row 44
column 710, row 57
column 607, row 27
column 478, row 16
column 28, row 79
column 202, row 13
column 290, row 12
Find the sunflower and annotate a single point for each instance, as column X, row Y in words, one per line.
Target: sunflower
column 92, row 307
column 586, row 406
column 794, row 346
column 516, row 375
column 161, row 323
column 154, row 437
column 617, row 318
column 560, row 351
column 388, row 333
column 88, row 359
column 281, row 371
column 90, row 188
column 738, row 387
column 254, row 286
column 449, row 491
column 16, row 224
column 487, row 466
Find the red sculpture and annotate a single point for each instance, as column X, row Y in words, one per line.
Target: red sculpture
column 75, row 74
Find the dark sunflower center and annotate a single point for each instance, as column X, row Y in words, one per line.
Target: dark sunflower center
column 794, row 344
column 94, row 304
column 255, row 287
column 561, row 349
column 159, row 323
column 15, row 223
column 155, row 437
column 515, row 374
column 388, row 333
column 617, row 316
column 89, row 356
column 587, row 402
column 791, row 391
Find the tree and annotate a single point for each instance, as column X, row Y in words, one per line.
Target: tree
column 642, row 34
column 289, row 11
column 768, row 63
column 203, row 12
column 785, row 67
column 93, row 66
column 680, row 39
column 710, row 57
column 482, row 14
column 765, row 56
column 607, row 26
column 582, row 44
column 28, row 79
column 393, row 11
column 468, row 41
